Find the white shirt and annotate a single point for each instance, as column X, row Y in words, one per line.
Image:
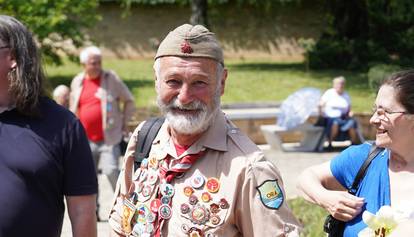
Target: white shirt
column 335, row 105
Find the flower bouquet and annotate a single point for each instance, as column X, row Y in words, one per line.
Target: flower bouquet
column 381, row 224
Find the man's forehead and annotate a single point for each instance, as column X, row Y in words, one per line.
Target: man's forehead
column 183, row 62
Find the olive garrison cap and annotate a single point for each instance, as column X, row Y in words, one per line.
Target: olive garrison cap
column 191, row 41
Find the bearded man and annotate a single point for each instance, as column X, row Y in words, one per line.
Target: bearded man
column 202, row 177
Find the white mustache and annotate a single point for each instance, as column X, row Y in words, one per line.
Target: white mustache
column 195, row 105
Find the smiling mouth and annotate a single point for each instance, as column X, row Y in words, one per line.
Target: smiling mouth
column 184, row 111
column 382, row 131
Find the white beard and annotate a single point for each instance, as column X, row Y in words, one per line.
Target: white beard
column 196, row 121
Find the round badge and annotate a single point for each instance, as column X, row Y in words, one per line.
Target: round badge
column 138, row 229
column 146, row 190
column 167, row 190
column 205, row 197
column 223, row 204
column 152, row 177
column 199, row 215
column 151, row 218
column 185, row 228
column 214, row 208
column 214, row 219
column 195, row 233
column 193, row 199
column 144, row 163
column 155, row 204
column 142, row 213
column 165, row 211
column 213, row 185
column 188, row 191
column 185, row 208
column 165, row 200
column 197, row 181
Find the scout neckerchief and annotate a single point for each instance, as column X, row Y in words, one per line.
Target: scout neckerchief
column 180, row 167
column 167, row 174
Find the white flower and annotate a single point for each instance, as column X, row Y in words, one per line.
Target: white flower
column 379, row 225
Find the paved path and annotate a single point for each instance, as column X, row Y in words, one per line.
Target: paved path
column 290, row 165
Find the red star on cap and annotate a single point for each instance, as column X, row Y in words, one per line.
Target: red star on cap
column 186, row 48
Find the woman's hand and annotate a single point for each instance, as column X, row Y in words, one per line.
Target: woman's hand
column 342, row 205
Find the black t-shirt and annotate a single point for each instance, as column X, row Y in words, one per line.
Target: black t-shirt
column 41, row 160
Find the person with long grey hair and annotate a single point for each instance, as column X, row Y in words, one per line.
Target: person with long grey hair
column 44, row 152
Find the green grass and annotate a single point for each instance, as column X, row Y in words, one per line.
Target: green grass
column 311, row 216
column 248, row 81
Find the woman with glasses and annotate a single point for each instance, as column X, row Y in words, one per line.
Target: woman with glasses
column 389, row 177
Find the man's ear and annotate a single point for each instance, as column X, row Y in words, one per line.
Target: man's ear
column 13, row 62
column 223, row 80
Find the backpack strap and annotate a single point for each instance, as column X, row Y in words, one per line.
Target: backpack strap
column 146, row 136
column 374, row 151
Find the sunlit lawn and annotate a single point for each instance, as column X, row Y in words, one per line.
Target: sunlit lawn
column 311, row 216
column 248, row 81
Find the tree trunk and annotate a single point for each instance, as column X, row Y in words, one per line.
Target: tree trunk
column 199, row 12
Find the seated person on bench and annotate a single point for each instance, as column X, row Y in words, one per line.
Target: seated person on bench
column 335, row 108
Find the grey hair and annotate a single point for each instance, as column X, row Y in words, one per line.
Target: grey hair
column 60, row 90
column 26, row 80
column 85, row 53
column 339, row 79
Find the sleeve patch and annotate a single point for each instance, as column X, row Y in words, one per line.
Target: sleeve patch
column 270, row 194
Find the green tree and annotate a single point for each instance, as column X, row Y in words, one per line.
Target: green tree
column 57, row 24
column 361, row 33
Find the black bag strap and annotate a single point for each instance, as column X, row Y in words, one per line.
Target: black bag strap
column 146, row 136
column 374, row 151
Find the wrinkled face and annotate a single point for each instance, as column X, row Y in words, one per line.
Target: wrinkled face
column 394, row 127
column 93, row 66
column 7, row 63
column 189, row 92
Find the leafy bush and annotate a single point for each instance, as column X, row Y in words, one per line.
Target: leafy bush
column 378, row 73
column 58, row 25
column 337, row 51
column 361, row 33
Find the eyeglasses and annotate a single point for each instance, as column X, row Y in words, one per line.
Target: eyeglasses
column 384, row 113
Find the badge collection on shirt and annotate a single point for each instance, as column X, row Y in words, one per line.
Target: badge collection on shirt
column 150, row 204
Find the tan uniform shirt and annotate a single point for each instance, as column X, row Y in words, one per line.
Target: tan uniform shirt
column 241, row 169
column 112, row 92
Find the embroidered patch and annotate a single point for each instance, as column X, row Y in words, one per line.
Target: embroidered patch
column 270, row 194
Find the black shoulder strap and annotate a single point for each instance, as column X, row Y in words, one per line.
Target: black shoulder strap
column 146, row 136
column 374, row 151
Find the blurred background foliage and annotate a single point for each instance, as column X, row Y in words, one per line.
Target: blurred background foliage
column 56, row 24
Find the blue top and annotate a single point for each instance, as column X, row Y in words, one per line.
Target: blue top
column 42, row 159
column 374, row 187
